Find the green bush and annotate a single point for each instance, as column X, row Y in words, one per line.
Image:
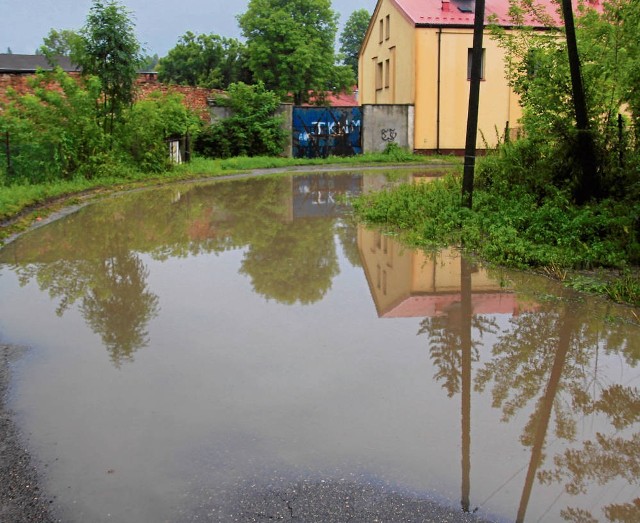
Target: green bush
column 253, row 129
column 143, row 133
column 55, row 132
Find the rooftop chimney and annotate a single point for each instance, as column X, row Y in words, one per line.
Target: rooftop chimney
column 446, row 6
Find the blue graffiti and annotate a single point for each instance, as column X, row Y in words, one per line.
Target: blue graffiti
column 324, row 131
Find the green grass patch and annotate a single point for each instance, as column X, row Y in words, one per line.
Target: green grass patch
column 516, row 229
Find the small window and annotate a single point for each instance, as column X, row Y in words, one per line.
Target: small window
column 381, row 31
column 387, row 73
column 379, row 75
column 388, row 31
column 470, row 59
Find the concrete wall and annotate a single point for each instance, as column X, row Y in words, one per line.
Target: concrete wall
column 286, row 111
column 382, row 124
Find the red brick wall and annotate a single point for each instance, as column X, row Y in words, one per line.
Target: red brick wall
column 195, row 98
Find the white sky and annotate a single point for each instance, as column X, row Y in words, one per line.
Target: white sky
column 159, row 23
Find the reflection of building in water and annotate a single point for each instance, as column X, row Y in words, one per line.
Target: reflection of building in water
column 411, row 283
column 323, row 195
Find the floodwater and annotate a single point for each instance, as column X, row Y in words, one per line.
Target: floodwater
column 192, row 344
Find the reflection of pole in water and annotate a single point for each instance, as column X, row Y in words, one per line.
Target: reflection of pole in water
column 544, row 413
column 465, row 339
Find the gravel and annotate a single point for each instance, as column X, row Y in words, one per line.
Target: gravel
column 21, row 499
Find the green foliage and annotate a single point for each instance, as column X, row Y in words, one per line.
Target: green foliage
column 65, row 42
column 352, row 36
column 143, row 133
column 111, row 53
column 53, row 132
column 397, row 153
column 210, row 61
column 291, row 45
column 510, row 225
column 149, row 63
column 538, row 70
column 253, row 129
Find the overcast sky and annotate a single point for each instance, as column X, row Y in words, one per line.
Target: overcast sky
column 159, row 23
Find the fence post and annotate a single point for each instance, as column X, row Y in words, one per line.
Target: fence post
column 8, row 152
column 620, row 140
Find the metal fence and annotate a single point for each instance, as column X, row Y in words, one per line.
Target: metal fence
column 324, row 131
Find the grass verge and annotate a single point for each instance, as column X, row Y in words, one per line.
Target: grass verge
column 21, row 204
column 517, row 229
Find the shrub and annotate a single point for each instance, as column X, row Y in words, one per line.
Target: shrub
column 253, row 129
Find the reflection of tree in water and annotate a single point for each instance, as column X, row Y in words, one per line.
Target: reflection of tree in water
column 296, row 264
column 115, row 300
column 64, row 279
column 445, row 346
column 119, row 306
column 550, row 358
column 347, row 231
column 604, row 459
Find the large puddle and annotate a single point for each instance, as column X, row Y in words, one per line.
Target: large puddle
column 201, row 352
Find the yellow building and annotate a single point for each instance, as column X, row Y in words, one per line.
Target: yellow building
column 417, row 52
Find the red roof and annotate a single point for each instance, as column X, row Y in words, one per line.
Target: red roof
column 448, row 13
column 335, row 100
column 439, row 304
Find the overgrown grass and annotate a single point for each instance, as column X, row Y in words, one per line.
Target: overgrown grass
column 517, row 229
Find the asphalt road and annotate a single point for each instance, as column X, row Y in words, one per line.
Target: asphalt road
column 269, row 499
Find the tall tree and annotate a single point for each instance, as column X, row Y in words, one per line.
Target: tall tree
column 149, row 63
column 63, row 42
column 113, row 54
column 205, row 60
column 352, row 36
column 291, row 45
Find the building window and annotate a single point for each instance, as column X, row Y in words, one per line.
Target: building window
column 379, row 75
column 381, row 31
column 388, row 31
column 470, row 59
column 387, row 73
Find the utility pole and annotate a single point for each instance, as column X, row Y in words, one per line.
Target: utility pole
column 474, row 103
column 588, row 185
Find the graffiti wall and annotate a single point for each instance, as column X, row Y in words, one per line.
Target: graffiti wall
column 386, row 124
column 323, row 131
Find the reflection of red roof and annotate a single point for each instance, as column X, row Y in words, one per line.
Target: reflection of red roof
column 439, row 304
column 438, row 13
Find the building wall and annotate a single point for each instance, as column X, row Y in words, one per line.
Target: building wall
column 429, row 69
column 387, row 62
column 441, row 113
